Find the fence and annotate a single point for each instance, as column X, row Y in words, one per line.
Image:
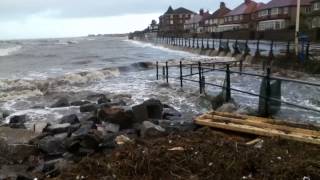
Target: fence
column 270, row 49
column 267, row 99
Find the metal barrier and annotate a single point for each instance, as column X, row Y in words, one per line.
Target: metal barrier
column 203, row 68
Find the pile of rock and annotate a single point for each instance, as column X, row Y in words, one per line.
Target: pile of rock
column 108, row 125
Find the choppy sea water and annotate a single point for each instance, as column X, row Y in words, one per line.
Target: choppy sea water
column 34, row 73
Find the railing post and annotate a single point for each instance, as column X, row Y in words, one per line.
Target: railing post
column 200, row 78
column 193, row 41
column 241, row 66
column 213, row 46
column 163, row 72
column 181, row 78
column 288, row 48
column 197, row 43
column 307, row 50
column 191, row 69
column 157, row 66
column 258, row 48
column 189, row 42
column 203, row 80
column 167, row 73
column 271, row 49
column 202, row 44
column 247, row 49
column 268, row 92
column 228, row 84
column 208, row 46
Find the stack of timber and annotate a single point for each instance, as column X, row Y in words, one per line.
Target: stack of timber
column 258, row 126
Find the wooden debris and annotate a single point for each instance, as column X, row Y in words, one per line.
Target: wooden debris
column 258, row 126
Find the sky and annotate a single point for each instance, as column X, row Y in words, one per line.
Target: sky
column 20, row 19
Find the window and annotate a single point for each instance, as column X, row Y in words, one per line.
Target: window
column 236, row 18
column 272, row 25
column 285, row 10
column 171, row 22
column 274, row 11
column 171, row 16
column 230, row 18
column 263, row 13
column 316, row 6
column 180, row 15
column 241, row 17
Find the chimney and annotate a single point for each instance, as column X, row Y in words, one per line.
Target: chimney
column 201, row 12
column 247, row 1
column 222, row 5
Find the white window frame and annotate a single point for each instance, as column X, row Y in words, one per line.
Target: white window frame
column 275, row 11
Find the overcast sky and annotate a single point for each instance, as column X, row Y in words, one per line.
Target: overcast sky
column 66, row 18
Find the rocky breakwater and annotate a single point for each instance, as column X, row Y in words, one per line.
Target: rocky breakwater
column 49, row 149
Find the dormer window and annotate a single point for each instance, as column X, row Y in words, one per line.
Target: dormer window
column 263, row 13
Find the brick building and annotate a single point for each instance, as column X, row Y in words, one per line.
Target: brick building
column 217, row 18
column 172, row 22
column 280, row 14
column 315, row 14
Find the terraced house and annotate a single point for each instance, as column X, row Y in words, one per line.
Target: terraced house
column 217, row 18
column 172, row 22
column 315, row 14
column 280, row 14
column 196, row 23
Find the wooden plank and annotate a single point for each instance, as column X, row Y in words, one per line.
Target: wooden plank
column 256, row 123
column 258, row 131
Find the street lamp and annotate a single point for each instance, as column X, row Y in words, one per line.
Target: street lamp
column 297, row 27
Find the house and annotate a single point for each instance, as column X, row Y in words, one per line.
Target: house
column 241, row 17
column 217, row 18
column 174, row 19
column 315, row 14
column 280, row 14
column 196, row 23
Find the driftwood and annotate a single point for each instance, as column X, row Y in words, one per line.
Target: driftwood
column 258, row 126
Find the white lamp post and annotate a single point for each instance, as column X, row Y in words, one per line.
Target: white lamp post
column 297, row 27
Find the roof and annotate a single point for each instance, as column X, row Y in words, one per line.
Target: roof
column 284, row 3
column 246, row 7
column 180, row 10
column 220, row 12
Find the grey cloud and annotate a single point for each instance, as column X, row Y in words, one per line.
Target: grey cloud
column 19, row 9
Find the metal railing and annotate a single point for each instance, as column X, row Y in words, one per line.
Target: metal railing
column 203, row 68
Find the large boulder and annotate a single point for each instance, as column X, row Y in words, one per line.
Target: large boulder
column 58, row 128
column 170, row 113
column 122, row 116
column 103, row 99
column 140, row 113
column 71, row 119
column 18, row 121
column 154, row 108
column 15, row 172
column 52, row 145
column 62, row 102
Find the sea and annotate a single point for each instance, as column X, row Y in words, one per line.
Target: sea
column 35, row 73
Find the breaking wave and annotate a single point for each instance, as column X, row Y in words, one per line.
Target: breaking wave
column 9, row 51
column 24, row 88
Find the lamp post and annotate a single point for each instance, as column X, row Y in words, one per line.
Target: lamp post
column 297, row 28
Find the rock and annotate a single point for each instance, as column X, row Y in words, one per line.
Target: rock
column 103, row 99
column 122, row 116
column 71, row 119
column 140, row 113
column 90, row 141
column 39, row 127
column 16, row 152
column 106, row 127
column 62, row 102
column 53, row 168
column 228, row 107
column 170, row 112
column 58, row 128
column 108, row 141
column 217, row 101
column 177, row 126
column 148, row 129
column 79, row 103
column 89, row 108
column 154, row 108
column 4, row 114
column 84, row 129
column 52, row 145
column 62, row 135
column 17, row 122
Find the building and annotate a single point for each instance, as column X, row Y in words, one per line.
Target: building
column 217, row 18
column 242, row 17
column 153, row 27
column 315, row 14
column 196, row 23
column 173, row 20
column 280, row 14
